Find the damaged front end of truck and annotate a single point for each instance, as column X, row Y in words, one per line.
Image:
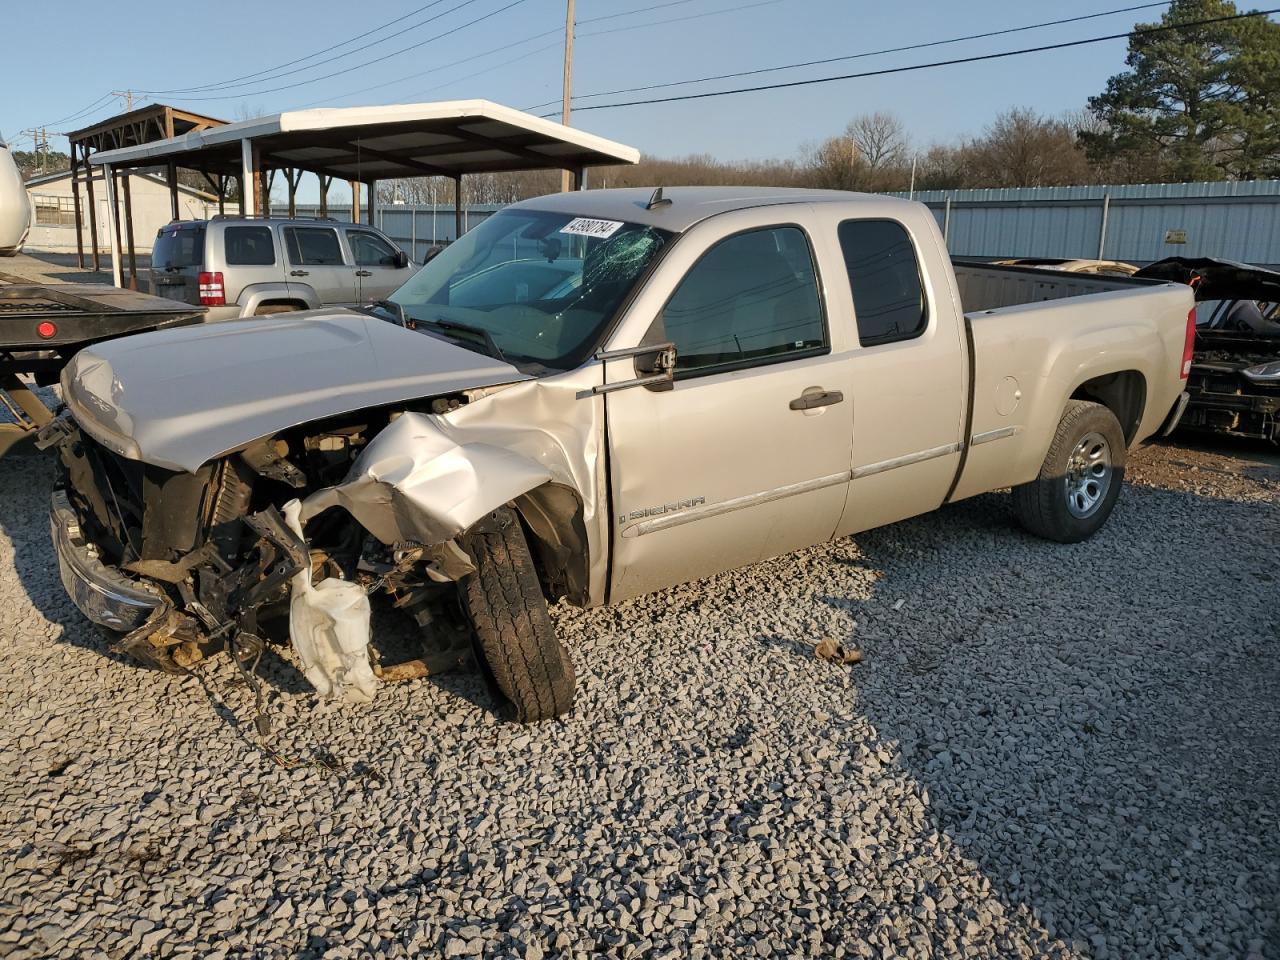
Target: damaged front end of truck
column 289, row 538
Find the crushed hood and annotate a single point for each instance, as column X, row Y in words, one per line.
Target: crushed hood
column 181, row 397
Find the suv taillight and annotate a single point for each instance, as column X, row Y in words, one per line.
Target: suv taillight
column 212, row 292
column 1189, row 347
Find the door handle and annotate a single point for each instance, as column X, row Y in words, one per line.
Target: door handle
column 364, row 273
column 299, row 273
column 808, row 401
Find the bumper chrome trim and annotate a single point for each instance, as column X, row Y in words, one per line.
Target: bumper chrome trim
column 103, row 594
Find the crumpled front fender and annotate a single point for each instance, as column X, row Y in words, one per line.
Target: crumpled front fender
column 415, row 482
column 430, row 477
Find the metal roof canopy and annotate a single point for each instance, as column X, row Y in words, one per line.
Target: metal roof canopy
column 368, row 144
column 448, row 139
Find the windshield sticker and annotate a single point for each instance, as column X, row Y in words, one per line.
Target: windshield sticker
column 586, row 227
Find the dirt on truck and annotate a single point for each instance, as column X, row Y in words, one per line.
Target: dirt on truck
column 590, row 396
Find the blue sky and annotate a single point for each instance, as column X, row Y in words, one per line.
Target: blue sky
column 134, row 45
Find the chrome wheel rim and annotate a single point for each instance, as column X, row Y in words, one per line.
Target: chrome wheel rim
column 1088, row 475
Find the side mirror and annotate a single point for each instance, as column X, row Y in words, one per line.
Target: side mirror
column 654, row 362
column 402, row 259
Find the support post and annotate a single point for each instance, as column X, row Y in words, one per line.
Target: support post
column 1102, row 232
column 250, row 180
column 413, row 232
column 222, row 194
column 293, row 176
column 355, row 200
column 171, row 174
column 128, row 232
column 457, row 207
column 75, row 199
column 324, row 194
column 116, row 233
column 108, row 181
column 566, row 109
column 580, row 179
column 373, row 200
column 93, row 209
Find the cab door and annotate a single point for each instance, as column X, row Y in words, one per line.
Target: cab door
column 378, row 270
column 747, row 454
column 909, row 373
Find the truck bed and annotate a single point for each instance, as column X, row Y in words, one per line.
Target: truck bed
column 985, row 286
column 42, row 325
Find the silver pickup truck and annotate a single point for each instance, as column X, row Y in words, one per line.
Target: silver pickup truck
column 590, row 396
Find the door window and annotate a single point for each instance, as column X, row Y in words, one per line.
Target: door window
column 249, row 246
column 370, row 250
column 313, row 246
column 888, row 298
column 751, row 299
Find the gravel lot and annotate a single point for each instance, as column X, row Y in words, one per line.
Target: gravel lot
column 1048, row 751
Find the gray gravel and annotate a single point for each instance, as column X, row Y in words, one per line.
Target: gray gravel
column 1048, row 751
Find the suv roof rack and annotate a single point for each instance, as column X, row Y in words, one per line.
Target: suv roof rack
column 254, row 216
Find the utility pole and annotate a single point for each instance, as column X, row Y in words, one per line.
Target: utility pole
column 127, row 96
column 566, row 177
column 39, row 145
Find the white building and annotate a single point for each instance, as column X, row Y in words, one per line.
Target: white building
column 54, row 226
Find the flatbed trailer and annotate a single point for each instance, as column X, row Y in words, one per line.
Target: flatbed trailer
column 42, row 325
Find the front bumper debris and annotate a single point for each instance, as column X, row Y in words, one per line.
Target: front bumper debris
column 102, row 594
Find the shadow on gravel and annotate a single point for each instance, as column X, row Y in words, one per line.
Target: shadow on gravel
column 1096, row 725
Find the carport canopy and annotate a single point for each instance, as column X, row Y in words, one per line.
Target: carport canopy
column 367, row 144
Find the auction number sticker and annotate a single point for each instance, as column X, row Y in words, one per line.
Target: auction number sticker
column 585, row 227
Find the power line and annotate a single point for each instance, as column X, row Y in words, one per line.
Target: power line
column 220, row 84
column 80, row 113
column 859, row 56
column 927, row 66
column 313, row 66
column 555, row 31
column 358, row 66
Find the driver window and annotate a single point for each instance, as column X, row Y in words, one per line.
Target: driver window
column 370, row 250
column 751, row 299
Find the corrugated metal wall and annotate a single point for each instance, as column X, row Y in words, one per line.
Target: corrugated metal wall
column 1233, row 220
column 416, row 227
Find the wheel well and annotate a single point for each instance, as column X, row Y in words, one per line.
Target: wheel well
column 282, row 302
column 1123, row 393
column 553, row 517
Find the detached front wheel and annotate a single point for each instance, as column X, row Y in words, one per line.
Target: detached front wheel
column 1080, row 479
column 526, row 666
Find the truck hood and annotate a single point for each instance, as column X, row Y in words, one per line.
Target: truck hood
column 179, row 398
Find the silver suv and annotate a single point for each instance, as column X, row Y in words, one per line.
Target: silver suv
column 243, row 267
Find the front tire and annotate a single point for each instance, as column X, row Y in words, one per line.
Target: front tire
column 526, row 666
column 1080, row 478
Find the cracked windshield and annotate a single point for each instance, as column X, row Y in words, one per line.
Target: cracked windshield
column 531, row 286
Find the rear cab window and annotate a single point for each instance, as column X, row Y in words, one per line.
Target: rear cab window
column 751, row 299
column 313, row 246
column 178, row 246
column 249, row 246
column 888, row 296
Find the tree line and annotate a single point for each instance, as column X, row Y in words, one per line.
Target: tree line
column 1194, row 103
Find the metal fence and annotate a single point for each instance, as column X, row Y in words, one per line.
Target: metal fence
column 416, row 227
column 1138, row 223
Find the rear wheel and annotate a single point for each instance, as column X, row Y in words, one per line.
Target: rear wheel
column 527, row 668
column 1080, row 479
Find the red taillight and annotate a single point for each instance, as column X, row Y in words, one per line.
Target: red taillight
column 1189, row 347
column 212, row 292
column 46, row 329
